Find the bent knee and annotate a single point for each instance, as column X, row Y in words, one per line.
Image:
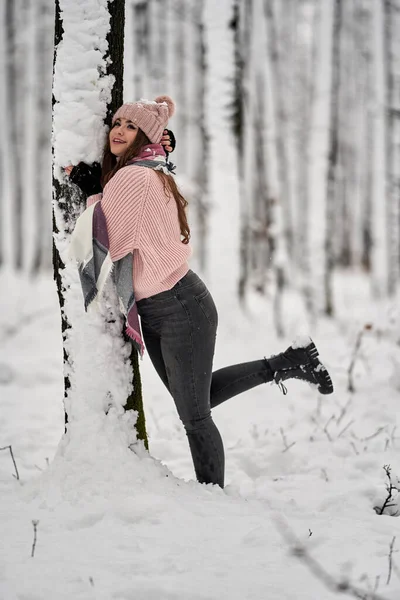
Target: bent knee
column 197, row 422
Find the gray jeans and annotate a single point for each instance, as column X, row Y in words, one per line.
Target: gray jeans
column 179, row 329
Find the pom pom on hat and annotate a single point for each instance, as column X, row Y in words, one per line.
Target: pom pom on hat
column 151, row 116
column 169, row 102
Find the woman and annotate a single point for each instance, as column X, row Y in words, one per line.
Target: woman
column 145, row 218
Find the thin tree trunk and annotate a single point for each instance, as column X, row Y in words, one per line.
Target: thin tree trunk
column 263, row 241
column 13, row 101
column 139, row 10
column 201, row 164
column 281, row 134
column 333, row 155
column 379, row 194
column 391, row 193
column 304, row 155
column 2, row 152
column 242, row 39
column 181, row 79
column 41, row 245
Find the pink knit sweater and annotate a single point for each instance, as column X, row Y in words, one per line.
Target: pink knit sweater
column 142, row 219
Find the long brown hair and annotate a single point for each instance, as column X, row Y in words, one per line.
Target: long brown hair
column 110, row 166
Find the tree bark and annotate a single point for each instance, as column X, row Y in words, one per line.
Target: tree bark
column 115, row 40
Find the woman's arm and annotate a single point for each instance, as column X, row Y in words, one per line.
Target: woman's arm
column 122, row 203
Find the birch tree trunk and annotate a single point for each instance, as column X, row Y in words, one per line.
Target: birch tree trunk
column 333, row 155
column 307, row 80
column 380, row 262
column 97, row 361
column 391, row 134
column 13, row 103
column 317, row 167
column 281, row 121
column 41, row 256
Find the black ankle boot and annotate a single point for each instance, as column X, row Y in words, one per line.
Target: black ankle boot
column 301, row 363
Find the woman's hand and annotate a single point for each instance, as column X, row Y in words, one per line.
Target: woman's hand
column 168, row 140
column 86, row 177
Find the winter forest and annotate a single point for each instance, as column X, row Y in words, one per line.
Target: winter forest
column 287, row 131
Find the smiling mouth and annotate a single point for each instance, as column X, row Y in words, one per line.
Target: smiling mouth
column 116, row 141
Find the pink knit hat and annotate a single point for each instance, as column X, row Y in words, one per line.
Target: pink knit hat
column 150, row 116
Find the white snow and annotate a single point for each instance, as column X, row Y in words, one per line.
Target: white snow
column 301, row 341
column 115, row 523
column 81, row 87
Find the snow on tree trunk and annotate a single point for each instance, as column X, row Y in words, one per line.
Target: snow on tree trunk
column 379, row 189
column 98, row 372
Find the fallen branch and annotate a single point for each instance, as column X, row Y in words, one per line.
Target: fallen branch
column 343, row 411
column 287, row 446
column 390, row 559
column 345, row 428
column 13, row 459
column 35, row 524
column 389, row 487
column 350, row 385
column 299, row 551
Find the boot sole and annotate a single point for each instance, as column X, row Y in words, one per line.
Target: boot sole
column 322, row 377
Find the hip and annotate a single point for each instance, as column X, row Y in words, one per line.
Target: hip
column 189, row 297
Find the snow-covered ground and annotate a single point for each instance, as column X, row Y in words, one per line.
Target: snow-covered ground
column 116, row 523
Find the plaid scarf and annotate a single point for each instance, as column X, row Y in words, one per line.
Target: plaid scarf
column 90, row 248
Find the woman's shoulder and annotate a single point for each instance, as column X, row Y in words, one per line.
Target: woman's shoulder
column 128, row 175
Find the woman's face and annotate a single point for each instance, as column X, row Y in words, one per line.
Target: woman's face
column 121, row 136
